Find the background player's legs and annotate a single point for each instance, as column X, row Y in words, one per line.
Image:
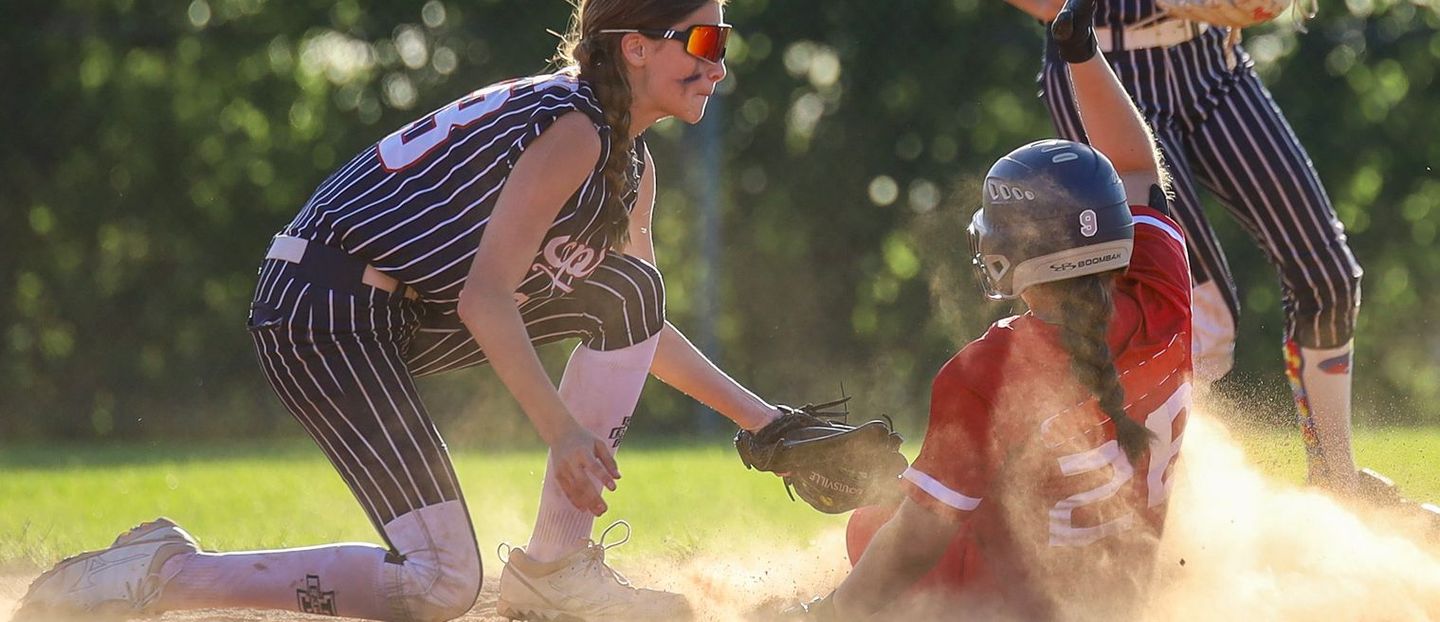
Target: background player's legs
column 336, row 363
column 1214, row 302
column 1246, row 153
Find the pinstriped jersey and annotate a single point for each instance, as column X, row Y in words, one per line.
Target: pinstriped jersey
column 415, row 204
column 1118, row 13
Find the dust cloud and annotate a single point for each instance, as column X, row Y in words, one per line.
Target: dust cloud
column 1238, row 545
column 1257, row 549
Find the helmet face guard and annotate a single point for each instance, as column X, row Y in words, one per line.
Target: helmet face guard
column 994, row 270
column 1052, row 210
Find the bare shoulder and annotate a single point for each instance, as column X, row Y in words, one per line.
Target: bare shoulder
column 572, row 135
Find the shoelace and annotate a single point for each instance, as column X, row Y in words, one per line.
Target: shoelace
column 597, row 555
column 144, row 594
column 597, row 551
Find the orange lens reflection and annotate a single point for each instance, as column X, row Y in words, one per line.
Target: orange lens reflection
column 708, row 42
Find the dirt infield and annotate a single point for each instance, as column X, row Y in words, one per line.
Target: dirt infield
column 720, row 589
column 1237, row 546
column 13, row 584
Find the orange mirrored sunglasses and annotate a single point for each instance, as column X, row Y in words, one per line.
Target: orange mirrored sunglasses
column 705, row 41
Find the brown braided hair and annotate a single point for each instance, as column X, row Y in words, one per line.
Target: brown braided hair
column 1085, row 307
column 598, row 58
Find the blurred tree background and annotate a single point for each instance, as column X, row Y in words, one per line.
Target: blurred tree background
column 151, row 148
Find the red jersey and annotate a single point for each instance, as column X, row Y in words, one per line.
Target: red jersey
column 1022, row 452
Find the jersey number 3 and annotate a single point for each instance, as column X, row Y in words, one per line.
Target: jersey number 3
column 411, row 143
column 1163, row 450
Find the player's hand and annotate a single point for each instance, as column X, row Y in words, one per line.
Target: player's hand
column 583, row 464
column 1074, row 31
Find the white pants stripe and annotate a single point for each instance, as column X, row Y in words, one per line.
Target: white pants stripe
column 343, row 361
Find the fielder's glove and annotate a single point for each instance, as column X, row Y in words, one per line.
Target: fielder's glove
column 833, row 466
column 1231, row 13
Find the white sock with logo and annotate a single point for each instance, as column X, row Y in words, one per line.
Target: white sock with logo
column 1325, row 378
column 439, row 570
column 339, row 579
column 601, row 390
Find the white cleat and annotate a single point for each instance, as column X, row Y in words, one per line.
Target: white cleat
column 581, row 587
column 114, row 583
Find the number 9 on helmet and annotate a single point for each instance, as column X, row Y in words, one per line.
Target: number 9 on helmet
column 1051, row 210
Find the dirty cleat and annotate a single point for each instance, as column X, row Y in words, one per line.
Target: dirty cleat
column 110, row 584
column 580, row 587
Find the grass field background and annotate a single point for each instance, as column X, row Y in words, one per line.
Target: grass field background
column 682, row 500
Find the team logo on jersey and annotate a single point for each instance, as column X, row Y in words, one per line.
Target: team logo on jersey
column 312, row 600
column 566, row 261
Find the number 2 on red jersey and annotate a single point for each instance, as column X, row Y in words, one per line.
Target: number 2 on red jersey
column 1163, row 450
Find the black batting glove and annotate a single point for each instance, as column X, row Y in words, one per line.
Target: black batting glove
column 1074, row 31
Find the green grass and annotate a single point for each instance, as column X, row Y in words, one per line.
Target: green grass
column 1407, row 455
column 681, row 501
column 54, row 501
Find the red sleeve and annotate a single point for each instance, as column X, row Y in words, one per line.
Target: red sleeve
column 1158, row 279
column 953, row 471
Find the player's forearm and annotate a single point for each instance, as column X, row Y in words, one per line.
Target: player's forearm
column 902, row 551
column 680, row 364
column 1111, row 121
column 495, row 323
column 1043, row 10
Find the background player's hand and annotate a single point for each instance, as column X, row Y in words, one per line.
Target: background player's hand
column 584, row 464
column 1074, row 31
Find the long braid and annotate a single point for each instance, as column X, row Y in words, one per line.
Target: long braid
column 603, row 70
column 1085, row 310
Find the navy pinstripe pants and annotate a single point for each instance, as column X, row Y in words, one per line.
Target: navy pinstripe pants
column 1219, row 128
column 343, row 359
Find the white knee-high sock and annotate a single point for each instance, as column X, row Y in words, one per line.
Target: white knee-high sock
column 337, row 579
column 601, row 390
column 436, row 577
column 1321, row 381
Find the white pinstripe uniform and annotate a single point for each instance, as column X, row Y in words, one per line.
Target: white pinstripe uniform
column 1219, row 128
column 343, row 356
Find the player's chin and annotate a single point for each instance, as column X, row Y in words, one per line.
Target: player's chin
column 695, row 112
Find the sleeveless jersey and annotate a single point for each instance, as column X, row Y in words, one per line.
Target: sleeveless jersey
column 415, row 204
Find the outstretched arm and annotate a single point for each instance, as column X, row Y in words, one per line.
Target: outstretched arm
column 678, row 362
column 903, row 550
column 1111, row 120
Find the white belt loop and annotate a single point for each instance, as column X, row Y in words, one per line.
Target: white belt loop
column 292, row 249
column 288, row 248
column 1162, row 34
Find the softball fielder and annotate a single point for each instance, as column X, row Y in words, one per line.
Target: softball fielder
column 1219, row 128
column 1042, row 485
column 515, row 216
